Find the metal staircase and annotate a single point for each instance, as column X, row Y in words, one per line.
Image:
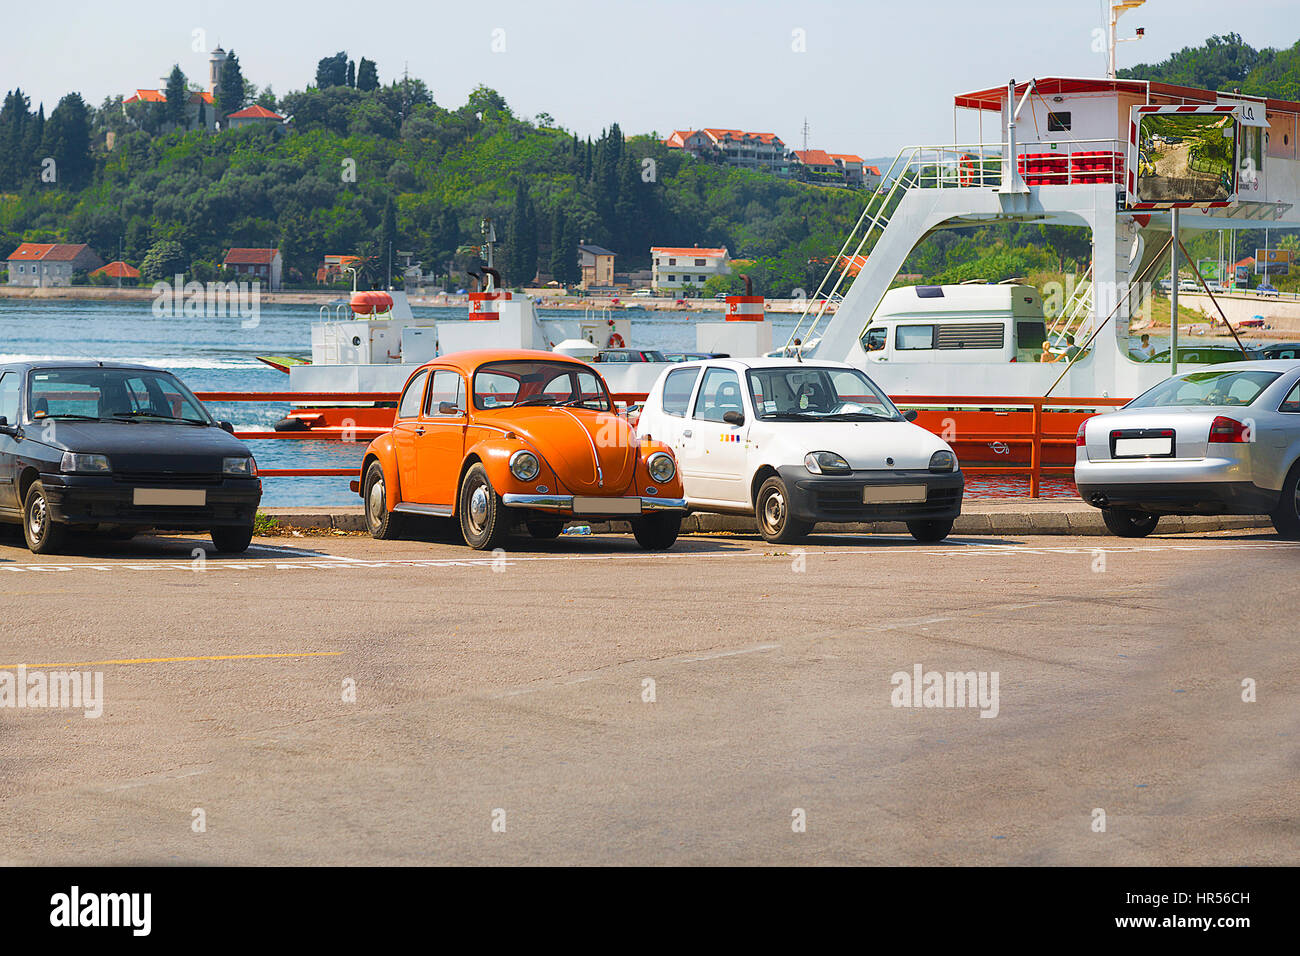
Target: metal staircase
column 916, row 167
column 1077, row 310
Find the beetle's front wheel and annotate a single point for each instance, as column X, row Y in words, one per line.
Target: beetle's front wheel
column 483, row 518
column 380, row 522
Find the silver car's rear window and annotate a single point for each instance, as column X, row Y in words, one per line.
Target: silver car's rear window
column 1226, row 387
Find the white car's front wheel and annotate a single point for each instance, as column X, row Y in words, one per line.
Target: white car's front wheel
column 772, row 508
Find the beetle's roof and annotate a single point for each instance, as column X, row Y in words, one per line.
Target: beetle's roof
column 470, row 360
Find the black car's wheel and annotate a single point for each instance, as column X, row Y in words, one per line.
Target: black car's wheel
column 930, row 530
column 545, row 529
column 44, row 535
column 232, row 539
column 483, row 519
column 380, row 522
column 1129, row 524
column 657, row 532
column 775, row 523
column 1286, row 516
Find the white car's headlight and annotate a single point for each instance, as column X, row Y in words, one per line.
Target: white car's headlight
column 239, row 467
column 84, row 464
column 661, row 467
column 826, row 463
column 943, row 460
column 524, row 465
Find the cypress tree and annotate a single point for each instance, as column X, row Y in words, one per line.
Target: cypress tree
column 177, row 94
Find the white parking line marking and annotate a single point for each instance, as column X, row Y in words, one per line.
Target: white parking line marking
column 716, row 654
column 339, row 562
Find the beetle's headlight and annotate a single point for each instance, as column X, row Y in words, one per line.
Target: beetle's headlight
column 943, row 460
column 84, row 464
column 524, row 465
column 826, row 463
column 239, row 467
column 661, row 467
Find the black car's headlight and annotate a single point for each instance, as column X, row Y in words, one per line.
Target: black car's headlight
column 239, row 467
column 85, row 464
column 943, row 460
column 524, row 465
column 661, row 467
column 826, row 463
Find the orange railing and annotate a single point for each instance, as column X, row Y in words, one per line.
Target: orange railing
column 964, row 421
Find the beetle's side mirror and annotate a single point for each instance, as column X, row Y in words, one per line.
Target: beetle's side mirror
column 734, row 418
column 450, row 408
column 910, row 415
column 226, row 427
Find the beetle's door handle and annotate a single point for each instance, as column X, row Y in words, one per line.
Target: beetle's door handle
column 419, row 431
column 687, row 433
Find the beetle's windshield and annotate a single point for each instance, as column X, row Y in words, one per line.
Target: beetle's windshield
column 806, row 393
column 555, row 384
column 112, row 394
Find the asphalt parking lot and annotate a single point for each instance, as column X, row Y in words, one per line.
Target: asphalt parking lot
column 582, row 701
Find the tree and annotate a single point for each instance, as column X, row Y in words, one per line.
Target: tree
column 1223, row 62
column 519, row 270
column 230, row 89
column 67, row 140
column 332, row 71
column 387, row 236
column 559, row 269
column 352, row 74
column 367, row 75
column 165, row 258
column 177, row 94
column 267, row 98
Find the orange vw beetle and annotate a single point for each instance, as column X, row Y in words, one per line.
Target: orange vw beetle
column 501, row 438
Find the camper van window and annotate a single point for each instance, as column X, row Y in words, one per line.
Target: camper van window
column 1058, row 122
column 982, row 335
column 914, row 337
column 1030, row 335
column 874, row 340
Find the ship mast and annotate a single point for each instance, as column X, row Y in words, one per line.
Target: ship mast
column 1117, row 9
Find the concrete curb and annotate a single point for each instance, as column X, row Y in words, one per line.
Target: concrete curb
column 1015, row 518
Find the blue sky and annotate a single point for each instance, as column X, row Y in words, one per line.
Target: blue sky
column 871, row 76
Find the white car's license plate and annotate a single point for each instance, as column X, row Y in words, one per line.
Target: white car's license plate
column 892, row 494
column 1143, row 447
column 606, row 506
column 176, row 497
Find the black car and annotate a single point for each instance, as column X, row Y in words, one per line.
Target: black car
column 693, row 356
column 118, row 448
column 1280, row 350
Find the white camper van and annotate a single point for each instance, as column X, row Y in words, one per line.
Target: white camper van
column 956, row 323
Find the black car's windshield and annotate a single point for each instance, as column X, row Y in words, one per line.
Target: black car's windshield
column 808, row 393
column 112, row 394
column 521, row 383
column 1213, row 388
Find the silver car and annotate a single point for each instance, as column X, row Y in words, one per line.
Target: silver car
column 1224, row 440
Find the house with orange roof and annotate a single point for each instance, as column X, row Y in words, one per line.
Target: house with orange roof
column 331, row 268
column 254, row 116
column 118, row 270
column 673, row 268
column 200, row 106
column 264, row 265
column 735, row 147
column 45, row 264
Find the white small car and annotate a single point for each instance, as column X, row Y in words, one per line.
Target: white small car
column 796, row 443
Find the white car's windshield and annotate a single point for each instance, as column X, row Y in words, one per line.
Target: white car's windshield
column 801, row 392
column 1223, row 387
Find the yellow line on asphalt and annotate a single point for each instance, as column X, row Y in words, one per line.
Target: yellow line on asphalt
column 177, row 660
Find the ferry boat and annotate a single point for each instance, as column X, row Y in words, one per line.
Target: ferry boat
column 1130, row 160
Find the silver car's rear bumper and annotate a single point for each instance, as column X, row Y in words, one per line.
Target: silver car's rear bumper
column 1160, row 470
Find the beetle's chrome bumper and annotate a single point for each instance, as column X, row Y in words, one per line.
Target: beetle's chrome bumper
column 565, row 503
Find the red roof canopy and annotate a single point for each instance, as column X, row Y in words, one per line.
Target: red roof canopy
column 118, row 270
column 991, row 99
column 250, row 257
column 255, row 112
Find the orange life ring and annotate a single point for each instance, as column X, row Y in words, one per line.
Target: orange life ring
column 615, row 341
column 966, row 170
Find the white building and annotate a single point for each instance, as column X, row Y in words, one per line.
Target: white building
column 673, row 268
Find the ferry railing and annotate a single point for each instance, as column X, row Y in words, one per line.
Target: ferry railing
column 957, row 166
column 934, row 412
